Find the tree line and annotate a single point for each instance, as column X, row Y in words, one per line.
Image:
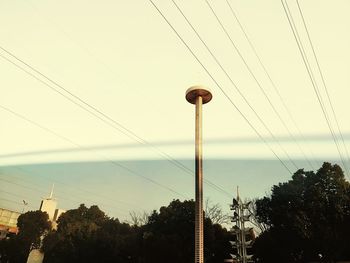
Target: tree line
column 306, row 219
column 89, row 235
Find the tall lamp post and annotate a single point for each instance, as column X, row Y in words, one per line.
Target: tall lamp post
column 198, row 95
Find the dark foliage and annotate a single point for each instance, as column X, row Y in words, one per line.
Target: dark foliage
column 309, row 218
column 87, row 235
column 169, row 235
column 32, row 227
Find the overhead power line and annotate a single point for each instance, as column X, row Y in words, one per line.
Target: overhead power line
column 34, row 188
column 273, row 84
column 77, row 188
column 73, row 196
column 82, row 190
column 323, row 80
column 257, row 82
column 12, row 201
column 232, row 82
column 218, row 85
column 311, row 76
column 87, row 149
column 239, row 91
column 21, row 197
column 103, row 117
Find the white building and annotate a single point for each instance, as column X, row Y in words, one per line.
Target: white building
column 49, row 205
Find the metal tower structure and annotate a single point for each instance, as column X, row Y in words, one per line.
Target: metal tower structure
column 244, row 235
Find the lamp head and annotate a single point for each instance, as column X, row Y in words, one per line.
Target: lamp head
column 193, row 92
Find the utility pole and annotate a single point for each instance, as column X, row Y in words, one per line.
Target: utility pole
column 241, row 214
column 198, row 95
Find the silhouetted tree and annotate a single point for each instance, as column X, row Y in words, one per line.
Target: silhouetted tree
column 88, row 235
column 32, row 225
column 309, row 218
column 215, row 214
column 169, row 236
column 258, row 224
column 138, row 218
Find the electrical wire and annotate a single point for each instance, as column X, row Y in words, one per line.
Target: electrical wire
column 273, row 84
column 87, row 149
column 76, row 188
column 218, row 85
column 19, row 196
column 312, row 78
column 311, row 75
column 229, row 77
column 36, row 190
column 256, row 81
column 106, row 119
column 77, row 199
column 323, row 79
column 11, row 201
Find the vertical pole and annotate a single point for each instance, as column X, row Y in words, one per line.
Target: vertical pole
column 198, row 95
column 240, row 253
column 199, row 185
column 244, row 249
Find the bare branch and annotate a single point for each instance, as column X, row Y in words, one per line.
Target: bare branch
column 215, row 214
column 259, row 226
column 138, row 218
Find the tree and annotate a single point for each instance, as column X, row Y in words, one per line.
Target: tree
column 117, row 242
column 88, row 235
column 138, row 218
column 169, row 235
column 308, row 216
column 215, row 214
column 258, row 224
column 75, row 229
column 32, row 225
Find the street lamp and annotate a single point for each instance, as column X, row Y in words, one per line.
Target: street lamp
column 198, row 95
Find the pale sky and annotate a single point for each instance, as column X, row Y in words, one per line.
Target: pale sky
column 122, row 58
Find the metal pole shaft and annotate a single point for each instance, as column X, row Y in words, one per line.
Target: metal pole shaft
column 199, row 185
column 198, row 95
column 244, row 249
